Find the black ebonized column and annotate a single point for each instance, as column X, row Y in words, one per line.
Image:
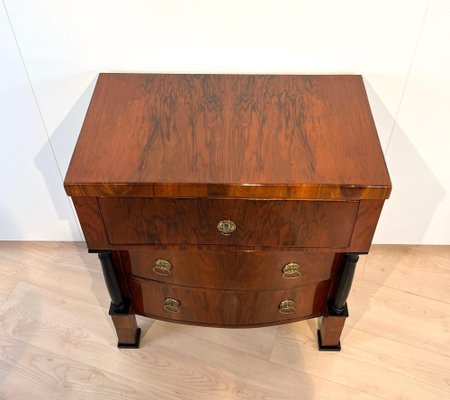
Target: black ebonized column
column 333, row 321
column 128, row 333
column 117, row 303
column 345, row 284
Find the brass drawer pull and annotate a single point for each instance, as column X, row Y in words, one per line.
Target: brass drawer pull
column 226, row 227
column 171, row 305
column 162, row 267
column 287, row 307
column 291, row 271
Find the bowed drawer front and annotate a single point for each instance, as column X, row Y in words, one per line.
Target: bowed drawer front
column 228, row 200
column 226, row 307
column 231, row 269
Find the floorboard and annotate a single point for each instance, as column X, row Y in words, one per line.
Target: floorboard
column 57, row 342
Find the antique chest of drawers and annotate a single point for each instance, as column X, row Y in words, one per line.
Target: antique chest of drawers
column 228, row 200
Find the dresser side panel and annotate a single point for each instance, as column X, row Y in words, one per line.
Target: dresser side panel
column 91, row 222
column 366, row 222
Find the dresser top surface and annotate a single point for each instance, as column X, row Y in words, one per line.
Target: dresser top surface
column 281, row 136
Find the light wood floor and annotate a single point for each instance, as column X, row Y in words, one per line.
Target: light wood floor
column 57, row 342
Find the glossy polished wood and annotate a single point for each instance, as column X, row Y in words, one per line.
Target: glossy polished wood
column 126, row 328
column 330, row 327
column 259, row 222
column 91, row 222
column 226, row 307
column 231, row 269
column 227, row 179
column 93, row 226
column 238, row 136
column 369, row 212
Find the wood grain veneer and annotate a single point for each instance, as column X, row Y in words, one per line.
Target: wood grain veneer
column 226, row 307
column 259, row 222
column 231, row 269
column 293, row 161
column 255, row 136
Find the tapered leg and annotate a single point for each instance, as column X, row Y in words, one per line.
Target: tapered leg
column 124, row 322
column 332, row 323
column 127, row 331
column 330, row 329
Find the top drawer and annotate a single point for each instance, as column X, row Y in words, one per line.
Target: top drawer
column 279, row 223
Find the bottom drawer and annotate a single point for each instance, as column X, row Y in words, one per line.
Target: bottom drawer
column 227, row 307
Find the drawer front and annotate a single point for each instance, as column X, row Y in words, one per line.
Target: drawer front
column 228, row 269
column 278, row 223
column 227, row 307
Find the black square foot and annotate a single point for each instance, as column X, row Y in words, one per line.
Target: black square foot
column 134, row 345
column 327, row 348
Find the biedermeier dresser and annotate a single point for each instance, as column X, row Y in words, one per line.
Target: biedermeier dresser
column 228, row 200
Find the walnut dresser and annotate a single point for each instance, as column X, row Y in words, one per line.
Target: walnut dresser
column 228, row 200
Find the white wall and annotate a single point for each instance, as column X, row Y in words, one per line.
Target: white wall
column 32, row 202
column 401, row 47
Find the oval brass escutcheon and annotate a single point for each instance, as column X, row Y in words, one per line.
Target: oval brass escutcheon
column 171, row 305
column 287, row 307
column 226, row 227
column 291, row 271
column 162, row 267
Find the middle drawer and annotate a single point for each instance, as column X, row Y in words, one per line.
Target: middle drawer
column 230, row 269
